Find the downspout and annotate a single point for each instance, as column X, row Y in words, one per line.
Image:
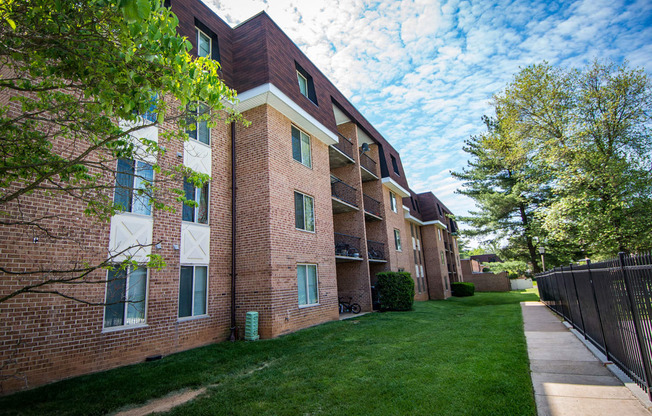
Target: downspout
column 232, row 338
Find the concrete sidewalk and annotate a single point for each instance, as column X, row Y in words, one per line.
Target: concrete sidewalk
column 568, row 379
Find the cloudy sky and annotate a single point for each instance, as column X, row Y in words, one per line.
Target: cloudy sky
column 423, row 72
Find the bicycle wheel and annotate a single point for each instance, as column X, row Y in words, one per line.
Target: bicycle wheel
column 355, row 308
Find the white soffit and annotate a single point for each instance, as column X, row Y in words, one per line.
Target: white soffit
column 394, row 186
column 363, row 138
column 340, row 117
column 436, row 223
column 269, row 94
column 409, row 217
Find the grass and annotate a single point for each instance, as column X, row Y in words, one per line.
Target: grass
column 462, row 356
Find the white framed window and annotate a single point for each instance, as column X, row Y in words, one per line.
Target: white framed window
column 131, row 181
column 439, row 233
column 204, row 44
column 397, row 239
column 193, row 291
column 303, row 84
column 197, row 128
column 392, row 201
column 304, row 212
column 200, row 196
column 307, row 284
column 126, row 297
column 301, row 147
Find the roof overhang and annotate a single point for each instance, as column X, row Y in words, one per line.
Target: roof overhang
column 408, row 216
column 394, row 186
column 271, row 95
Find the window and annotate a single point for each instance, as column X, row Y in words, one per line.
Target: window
column 443, row 261
column 397, row 239
column 392, row 201
column 304, row 212
column 303, row 84
column 394, row 164
column 301, row 147
column 207, row 45
column 193, row 284
column 439, row 233
column 198, row 128
column 126, row 297
column 199, row 213
column 203, row 45
column 307, row 284
column 439, row 209
column 132, row 179
column 306, row 84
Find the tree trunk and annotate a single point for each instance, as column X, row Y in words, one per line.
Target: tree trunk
column 528, row 238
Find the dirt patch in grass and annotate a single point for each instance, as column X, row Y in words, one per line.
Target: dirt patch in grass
column 164, row 404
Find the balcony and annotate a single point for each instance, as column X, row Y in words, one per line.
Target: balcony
column 341, row 154
column 345, row 197
column 347, row 248
column 368, row 168
column 372, row 208
column 376, row 252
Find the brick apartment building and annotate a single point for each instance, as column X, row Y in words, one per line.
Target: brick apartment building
column 322, row 205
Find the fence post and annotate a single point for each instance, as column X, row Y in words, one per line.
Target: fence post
column 569, row 318
column 637, row 323
column 597, row 309
column 577, row 296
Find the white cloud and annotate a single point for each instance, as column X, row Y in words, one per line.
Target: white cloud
column 423, row 71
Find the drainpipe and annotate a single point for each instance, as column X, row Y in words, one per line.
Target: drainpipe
column 232, row 338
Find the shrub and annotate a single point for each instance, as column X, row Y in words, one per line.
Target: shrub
column 512, row 275
column 461, row 289
column 395, row 290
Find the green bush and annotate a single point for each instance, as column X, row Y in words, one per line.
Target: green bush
column 395, row 290
column 461, row 289
column 512, row 275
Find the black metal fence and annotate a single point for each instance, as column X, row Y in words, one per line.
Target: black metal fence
column 368, row 163
column 371, row 205
column 376, row 250
column 343, row 191
column 347, row 245
column 345, row 145
column 610, row 303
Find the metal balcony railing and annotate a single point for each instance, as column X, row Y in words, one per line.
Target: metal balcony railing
column 376, row 250
column 371, row 205
column 368, row 163
column 347, row 245
column 343, row 192
column 345, row 146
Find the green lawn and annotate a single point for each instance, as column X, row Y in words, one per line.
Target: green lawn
column 462, row 356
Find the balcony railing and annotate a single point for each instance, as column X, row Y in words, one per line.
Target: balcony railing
column 343, row 192
column 376, row 250
column 347, row 245
column 371, row 205
column 345, row 146
column 368, row 163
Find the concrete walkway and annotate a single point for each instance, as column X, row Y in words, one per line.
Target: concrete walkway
column 568, row 379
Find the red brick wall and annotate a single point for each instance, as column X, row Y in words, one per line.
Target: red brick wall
column 436, row 271
column 47, row 337
column 489, row 282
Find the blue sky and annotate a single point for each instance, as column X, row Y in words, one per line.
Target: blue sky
column 423, row 72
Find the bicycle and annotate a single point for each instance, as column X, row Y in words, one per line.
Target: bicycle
column 348, row 307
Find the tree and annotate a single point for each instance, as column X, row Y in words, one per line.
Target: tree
column 505, row 187
column 590, row 131
column 78, row 80
column 568, row 150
